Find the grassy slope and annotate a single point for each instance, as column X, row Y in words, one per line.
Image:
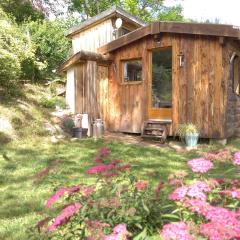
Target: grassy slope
column 22, row 196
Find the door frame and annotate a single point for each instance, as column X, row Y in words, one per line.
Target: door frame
column 157, row 113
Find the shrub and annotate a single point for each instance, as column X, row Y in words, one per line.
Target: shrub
column 119, row 206
column 68, row 124
column 15, row 48
column 10, row 68
column 53, row 102
column 52, row 46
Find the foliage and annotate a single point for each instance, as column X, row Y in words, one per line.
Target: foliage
column 15, row 48
column 21, row 10
column 118, row 198
column 148, row 10
column 187, row 129
column 53, row 102
column 152, row 10
column 51, row 45
column 91, row 8
column 25, row 162
column 69, row 124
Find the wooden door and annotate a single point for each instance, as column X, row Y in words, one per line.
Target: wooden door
column 102, row 92
column 160, row 84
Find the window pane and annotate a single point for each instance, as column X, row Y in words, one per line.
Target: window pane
column 236, row 75
column 162, row 78
column 132, row 70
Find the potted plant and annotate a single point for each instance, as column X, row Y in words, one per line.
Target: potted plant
column 190, row 133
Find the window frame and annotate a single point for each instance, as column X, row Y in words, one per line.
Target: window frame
column 234, row 75
column 130, row 82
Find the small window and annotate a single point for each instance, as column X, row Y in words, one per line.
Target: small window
column 124, row 31
column 132, row 70
column 236, row 75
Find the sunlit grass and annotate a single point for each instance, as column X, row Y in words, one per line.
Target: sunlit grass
column 22, row 195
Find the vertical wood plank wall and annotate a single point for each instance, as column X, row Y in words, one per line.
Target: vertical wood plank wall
column 94, row 37
column 102, row 93
column 199, row 88
column 86, row 88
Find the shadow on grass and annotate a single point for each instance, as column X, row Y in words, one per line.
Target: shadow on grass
column 22, row 196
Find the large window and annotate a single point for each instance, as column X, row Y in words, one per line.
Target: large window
column 132, row 70
column 236, row 75
column 162, row 78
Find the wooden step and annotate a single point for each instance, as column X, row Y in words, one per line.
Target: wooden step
column 160, row 121
column 154, row 128
column 150, row 136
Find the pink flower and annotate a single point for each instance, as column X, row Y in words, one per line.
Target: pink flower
column 110, row 175
column 217, row 231
column 115, row 162
column 55, row 197
column 175, row 231
column 234, row 193
column 178, row 194
column 197, row 190
column 100, row 168
column 159, row 187
column 73, row 189
column 124, row 167
column 236, row 158
column 141, row 185
column 87, row 191
column 64, row 216
column 104, row 152
column 200, row 165
column 197, row 206
column 119, row 233
column 120, row 228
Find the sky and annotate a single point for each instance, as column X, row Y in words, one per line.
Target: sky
column 227, row 11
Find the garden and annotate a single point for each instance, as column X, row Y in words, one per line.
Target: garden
column 96, row 190
column 120, row 206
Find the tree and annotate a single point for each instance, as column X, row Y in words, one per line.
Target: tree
column 21, row 10
column 52, row 47
column 90, row 8
column 153, row 10
column 15, row 48
column 148, row 10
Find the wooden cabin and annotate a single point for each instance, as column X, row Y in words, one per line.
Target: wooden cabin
column 166, row 73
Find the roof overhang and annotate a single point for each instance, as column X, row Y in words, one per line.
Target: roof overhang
column 83, row 56
column 218, row 30
column 114, row 11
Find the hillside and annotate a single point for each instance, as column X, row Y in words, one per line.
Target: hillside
column 25, row 117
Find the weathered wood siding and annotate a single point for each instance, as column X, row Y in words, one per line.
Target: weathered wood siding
column 199, row 89
column 86, row 88
column 94, row 37
column 232, row 117
column 103, row 92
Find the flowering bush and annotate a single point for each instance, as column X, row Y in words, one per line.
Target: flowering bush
column 119, row 206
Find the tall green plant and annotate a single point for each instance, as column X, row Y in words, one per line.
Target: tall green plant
column 15, row 47
column 52, row 47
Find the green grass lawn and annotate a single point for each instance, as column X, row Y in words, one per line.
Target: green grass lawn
column 22, row 194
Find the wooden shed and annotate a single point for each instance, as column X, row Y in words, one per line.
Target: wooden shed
column 164, row 72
